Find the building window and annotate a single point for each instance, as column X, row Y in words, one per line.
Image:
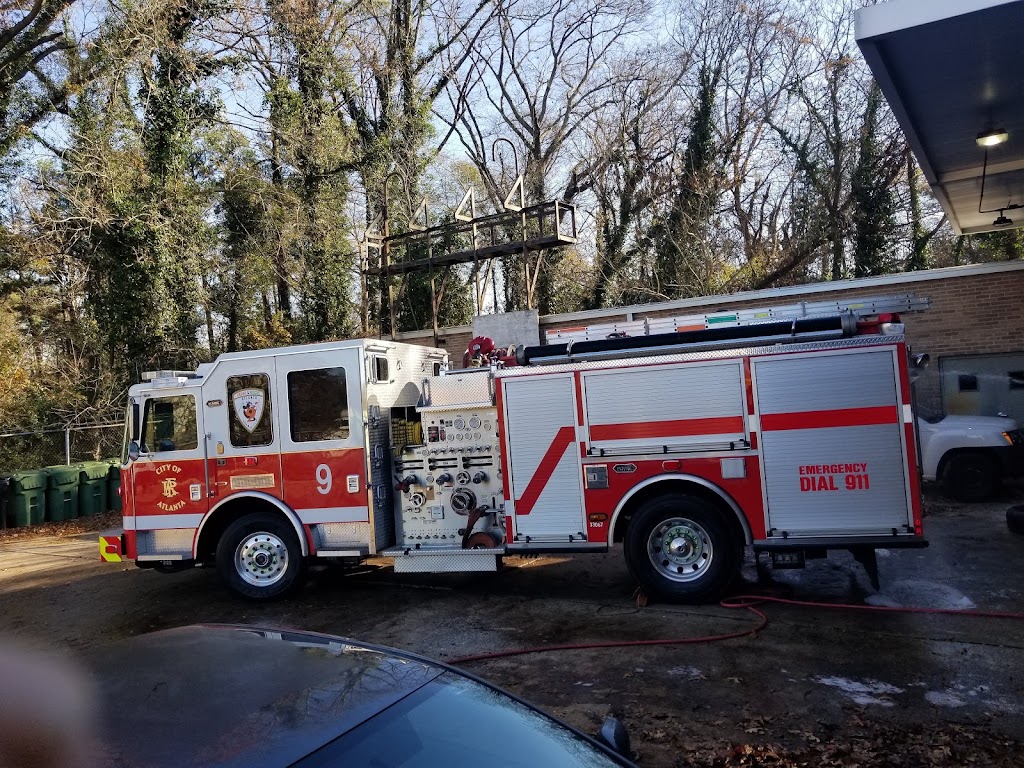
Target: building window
column 169, row 424
column 967, row 382
column 250, row 417
column 318, row 405
column 1016, row 379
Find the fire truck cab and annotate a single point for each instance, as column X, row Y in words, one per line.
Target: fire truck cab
column 792, row 437
column 260, row 460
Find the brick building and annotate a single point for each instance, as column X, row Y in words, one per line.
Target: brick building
column 974, row 331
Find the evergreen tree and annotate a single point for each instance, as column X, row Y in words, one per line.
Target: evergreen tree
column 312, row 154
column 873, row 201
column 682, row 236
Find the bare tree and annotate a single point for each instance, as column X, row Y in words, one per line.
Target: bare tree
column 538, row 79
column 30, row 34
column 715, row 186
column 625, row 168
column 819, row 132
column 757, row 74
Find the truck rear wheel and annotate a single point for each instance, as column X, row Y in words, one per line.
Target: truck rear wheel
column 970, row 476
column 259, row 557
column 680, row 548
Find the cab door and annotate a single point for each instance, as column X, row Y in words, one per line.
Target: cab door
column 322, row 439
column 168, row 480
column 243, row 427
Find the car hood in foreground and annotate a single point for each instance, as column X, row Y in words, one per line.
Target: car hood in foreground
column 210, row 695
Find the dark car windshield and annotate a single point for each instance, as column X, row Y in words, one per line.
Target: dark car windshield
column 458, row 723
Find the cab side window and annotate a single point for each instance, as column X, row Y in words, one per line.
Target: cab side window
column 249, row 414
column 318, row 405
column 169, row 424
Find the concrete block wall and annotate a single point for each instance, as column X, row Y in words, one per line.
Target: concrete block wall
column 455, row 339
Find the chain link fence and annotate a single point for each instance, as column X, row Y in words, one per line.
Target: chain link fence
column 20, row 451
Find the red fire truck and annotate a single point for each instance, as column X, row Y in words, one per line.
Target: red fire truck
column 790, row 436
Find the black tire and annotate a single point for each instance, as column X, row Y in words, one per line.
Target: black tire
column 709, row 557
column 271, row 563
column 1015, row 519
column 970, row 476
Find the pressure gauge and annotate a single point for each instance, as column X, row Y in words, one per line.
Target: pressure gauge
column 474, row 422
column 460, row 423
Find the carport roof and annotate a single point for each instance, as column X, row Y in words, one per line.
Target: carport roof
column 951, row 69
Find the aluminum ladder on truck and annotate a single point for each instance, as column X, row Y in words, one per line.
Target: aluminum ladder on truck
column 865, row 307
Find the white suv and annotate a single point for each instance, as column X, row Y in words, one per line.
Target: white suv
column 970, row 455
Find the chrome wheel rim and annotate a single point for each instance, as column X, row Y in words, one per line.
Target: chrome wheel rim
column 261, row 559
column 680, row 549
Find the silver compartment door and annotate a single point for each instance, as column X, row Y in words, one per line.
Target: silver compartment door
column 543, row 457
column 833, row 444
column 666, row 408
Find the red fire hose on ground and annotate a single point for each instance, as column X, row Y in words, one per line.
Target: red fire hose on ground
column 748, row 603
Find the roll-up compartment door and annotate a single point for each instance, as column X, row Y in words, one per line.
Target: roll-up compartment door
column 666, row 408
column 834, row 453
column 543, row 457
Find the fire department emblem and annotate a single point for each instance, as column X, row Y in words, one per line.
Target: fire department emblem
column 167, row 477
column 170, row 485
column 248, row 404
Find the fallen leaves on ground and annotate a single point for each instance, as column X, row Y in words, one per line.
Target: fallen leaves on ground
column 872, row 745
column 74, row 527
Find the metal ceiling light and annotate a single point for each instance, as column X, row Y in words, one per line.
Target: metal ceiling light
column 986, row 139
column 992, row 138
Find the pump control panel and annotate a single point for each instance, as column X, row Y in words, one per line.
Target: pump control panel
column 450, row 481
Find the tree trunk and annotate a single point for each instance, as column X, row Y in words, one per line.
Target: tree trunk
column 918, row 238
column 208, row 312
column 284, row 298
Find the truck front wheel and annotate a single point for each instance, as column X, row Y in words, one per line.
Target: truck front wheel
column 970, row 476
column 259, row 557
column 680, row 548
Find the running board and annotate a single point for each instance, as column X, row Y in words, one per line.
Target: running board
column 356, row 553
column 554, row 547
column 444, row 561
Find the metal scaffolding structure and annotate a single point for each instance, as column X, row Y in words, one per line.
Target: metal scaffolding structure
column 519, row 229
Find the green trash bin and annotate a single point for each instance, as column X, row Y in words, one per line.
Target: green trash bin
column 26, row 501
column 114, row 486
column 92, row 487
column 62, row 493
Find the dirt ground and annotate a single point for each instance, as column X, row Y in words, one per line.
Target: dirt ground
column 816, row 687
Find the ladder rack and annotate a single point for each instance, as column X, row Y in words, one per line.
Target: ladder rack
column 865, row 307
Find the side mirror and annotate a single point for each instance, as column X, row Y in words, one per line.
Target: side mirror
column 133, row 451
column 614, row 735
